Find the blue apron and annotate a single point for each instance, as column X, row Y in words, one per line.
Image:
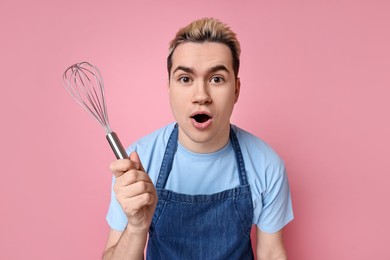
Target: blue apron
column 201, row 227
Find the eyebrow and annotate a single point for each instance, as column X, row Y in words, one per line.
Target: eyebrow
column 218, row 68
column 183, row 68
column 210, row 70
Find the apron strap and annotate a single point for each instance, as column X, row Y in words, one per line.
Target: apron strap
column 239, row 157
column 166, row 165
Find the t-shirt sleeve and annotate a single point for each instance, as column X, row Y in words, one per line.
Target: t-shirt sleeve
column 275, row 210
column 116, row 218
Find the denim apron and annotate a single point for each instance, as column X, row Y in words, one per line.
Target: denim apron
column 201, row 227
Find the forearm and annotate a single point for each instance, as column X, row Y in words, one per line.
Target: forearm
column 272, row 257
column 273, row 253
column 270, row 246
column 131, row 245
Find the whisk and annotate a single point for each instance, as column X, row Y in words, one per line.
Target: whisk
column 84, row 82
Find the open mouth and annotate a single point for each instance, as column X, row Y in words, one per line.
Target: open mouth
column 201, row 118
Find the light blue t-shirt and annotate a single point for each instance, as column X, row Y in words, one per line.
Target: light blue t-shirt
column 210, row 173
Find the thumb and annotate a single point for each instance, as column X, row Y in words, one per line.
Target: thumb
column 137, row 161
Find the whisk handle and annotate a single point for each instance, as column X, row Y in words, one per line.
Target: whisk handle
column 116, row 146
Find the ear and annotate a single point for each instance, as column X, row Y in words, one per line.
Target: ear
column 168, row 87
column 238, row 88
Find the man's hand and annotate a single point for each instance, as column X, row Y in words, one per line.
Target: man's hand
column 135, row 192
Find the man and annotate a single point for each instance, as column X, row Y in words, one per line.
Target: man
column 193, row 190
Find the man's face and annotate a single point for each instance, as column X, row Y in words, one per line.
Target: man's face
column 203, row 90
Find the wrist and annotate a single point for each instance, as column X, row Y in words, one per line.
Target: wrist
column 136, row 231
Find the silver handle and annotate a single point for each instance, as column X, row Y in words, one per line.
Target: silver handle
column 116, row 146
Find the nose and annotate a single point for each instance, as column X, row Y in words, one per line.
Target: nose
column 201, row 94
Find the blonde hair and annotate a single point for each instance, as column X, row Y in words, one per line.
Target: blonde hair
column 207, row 30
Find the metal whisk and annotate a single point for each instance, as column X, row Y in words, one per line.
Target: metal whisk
column 84, row 82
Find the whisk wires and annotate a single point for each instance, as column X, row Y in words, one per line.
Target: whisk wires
column 85, row 83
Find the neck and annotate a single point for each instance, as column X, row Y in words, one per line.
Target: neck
column 205, row 141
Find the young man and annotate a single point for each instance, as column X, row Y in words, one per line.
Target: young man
column 193, row 190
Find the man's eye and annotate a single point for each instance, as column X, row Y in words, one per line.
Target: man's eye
column 184, row 79
column 216, row 79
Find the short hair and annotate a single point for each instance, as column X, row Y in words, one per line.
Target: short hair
column 207, row 30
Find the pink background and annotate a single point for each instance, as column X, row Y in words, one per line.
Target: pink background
column 315, row 85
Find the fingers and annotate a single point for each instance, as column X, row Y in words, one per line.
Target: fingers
column 137, row 188
column 134, row 191
column 119, row 167
column 136, row 160
column 136, row 195
column 132, row 176
column 137, row 208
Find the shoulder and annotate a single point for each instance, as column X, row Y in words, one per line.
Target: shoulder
column 151, row 147
column 256, row 147
column 157, row 137
column 261, row 160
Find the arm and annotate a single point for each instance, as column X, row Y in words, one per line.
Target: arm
column 137, row 196
column 125, row 244
column 269, row 246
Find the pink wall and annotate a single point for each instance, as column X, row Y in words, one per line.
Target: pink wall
column 315, row 85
